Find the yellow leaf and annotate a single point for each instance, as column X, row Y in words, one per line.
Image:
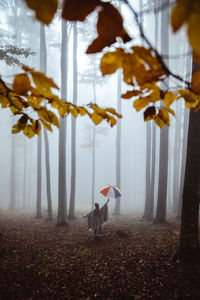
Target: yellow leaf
column 96, row 118
column 196, row 82
column 141, row 103
column 112, row 121
column 14, row 109
column 43, row 84
column 4, row 102
column 179, row 14
column 169, row 98
column 3, row 89
column 171, row 111
column 191, row 100
column 43, row 114
column 53, row 118
column 162, row 118
column 149, row 113
column 21, row 84
column 147, row 56
column 113, row 111
column 28, row 131
column 47, row 125
column 194, row 30
column 155, row 94
column 111, row 61
column 44, row 9
column 16, row 129
column 82, row 111
column 74, row 112
column 16, row 101
column 36, row 127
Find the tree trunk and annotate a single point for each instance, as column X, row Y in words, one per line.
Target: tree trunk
column 183, row 161
column 73, row 138
column 12, row 205
column 62, row 180
column 189, row 244
column 25, row 175
column 176, row 165
column 164, row 133
column 148, row 172
column 39, row 176
column 43, row 68
column 93, row 142
column 118, row 144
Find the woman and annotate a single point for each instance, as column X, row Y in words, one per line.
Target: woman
column 97, row 217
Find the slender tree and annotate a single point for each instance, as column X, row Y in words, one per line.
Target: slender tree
column 73, row 138
column 164, row 133
column 43, row 67
column 62, row 180
column 118, row 143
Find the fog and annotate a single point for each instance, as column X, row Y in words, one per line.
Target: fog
column 24, row 32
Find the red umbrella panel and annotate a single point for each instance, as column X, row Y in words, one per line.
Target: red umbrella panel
column 111, row 191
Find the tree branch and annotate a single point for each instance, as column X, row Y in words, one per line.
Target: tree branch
column 167, row 71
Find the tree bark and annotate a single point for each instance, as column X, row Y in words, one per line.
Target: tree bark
column 43, row 67
column 12, row 205
column 189, row 243
column 164, row 134
column 62, row 180
column 118, row 144
column 147, row 213
column 73, row 138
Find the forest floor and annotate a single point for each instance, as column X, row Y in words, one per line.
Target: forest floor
column 132, row 260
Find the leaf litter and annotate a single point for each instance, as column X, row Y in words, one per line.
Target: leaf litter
column 132, row 260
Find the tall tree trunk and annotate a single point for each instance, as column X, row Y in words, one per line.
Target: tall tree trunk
column 185, row 136
column 189, row 242
column 153, row 135
column 43, row 67
column 25, row 175
column 93, row 142
column 183, row 161
column 164, row 134
column 39, row 177
column 118, row 143
column 176, row 165
column 62, row 180
column 146, row 215
column 12, row 204
column 73, row 145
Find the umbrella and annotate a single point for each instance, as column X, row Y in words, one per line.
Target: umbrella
column 111, row 191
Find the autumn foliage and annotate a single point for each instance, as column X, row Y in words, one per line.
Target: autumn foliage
column 143, row 69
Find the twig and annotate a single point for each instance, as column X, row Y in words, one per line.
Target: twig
column 167, row 71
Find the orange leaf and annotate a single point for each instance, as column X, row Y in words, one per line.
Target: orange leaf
column 130, row 94
column 109, row 26
column 44, row 10
column 77, row 10
column 21, row 84
column 196, row 82
column 149, row 113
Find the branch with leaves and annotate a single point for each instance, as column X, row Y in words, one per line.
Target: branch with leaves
column 31, row 90
column 143, row 68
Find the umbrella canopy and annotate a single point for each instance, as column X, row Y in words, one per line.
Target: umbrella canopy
column 111, row 191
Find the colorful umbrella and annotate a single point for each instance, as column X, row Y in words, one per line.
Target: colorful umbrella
column 111, row 191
